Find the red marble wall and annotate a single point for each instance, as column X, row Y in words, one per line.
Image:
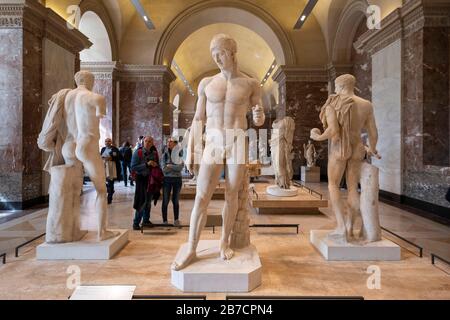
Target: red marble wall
column 11, row 111
column 137, row 116
column 362, row 66
column 105, row 87
column 304, row 101
column 423, row 104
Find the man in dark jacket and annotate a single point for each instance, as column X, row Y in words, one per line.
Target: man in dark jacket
column 126, row 153
column 111, row 158
column 143, row 161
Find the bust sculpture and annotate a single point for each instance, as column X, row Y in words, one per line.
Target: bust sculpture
column 71, row 134
column 223, row 103
column 344, row 117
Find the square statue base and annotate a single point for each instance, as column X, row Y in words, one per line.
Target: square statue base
column 86, row 249
column 310, row 174
column 209, row 273
column 383, row 250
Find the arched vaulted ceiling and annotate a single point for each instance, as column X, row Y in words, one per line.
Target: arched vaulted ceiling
column 254, row 55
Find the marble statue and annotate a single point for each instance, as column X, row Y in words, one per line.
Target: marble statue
column 310, row 154
column 71, row 134
column 281, row 149
column 344, row 117
column 223, row 103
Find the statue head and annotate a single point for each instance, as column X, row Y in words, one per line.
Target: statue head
column 346, row 83
column 85, row 78
column 223, row 50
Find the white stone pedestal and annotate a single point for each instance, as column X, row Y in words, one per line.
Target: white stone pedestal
column 276, row 191
column 310, row 174
column 209, row 273
column 86, row 249
column 383, row 250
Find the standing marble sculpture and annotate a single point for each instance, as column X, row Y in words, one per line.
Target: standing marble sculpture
column 71, row 133
column 224, row 100
column 344, row 117
column 281, row 145
column 310, row 154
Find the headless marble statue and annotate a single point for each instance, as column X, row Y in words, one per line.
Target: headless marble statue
column 77, row 134
column 223, row 103
column 281, row 148
column 344, row 117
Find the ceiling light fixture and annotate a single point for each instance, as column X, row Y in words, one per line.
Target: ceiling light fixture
column 306, row 12
column 266, row 77
column 141, row 11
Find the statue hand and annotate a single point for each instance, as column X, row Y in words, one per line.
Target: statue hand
column 315, row 134
column 373, row 153
column 258, row 114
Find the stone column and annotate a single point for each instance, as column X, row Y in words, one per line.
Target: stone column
column 106, row 75
column 144, row 101
column 303, row 92
column 26, row 30
column 414, row 40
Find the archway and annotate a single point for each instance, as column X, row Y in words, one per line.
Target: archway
column 92, row 27
column 97, row 59
column 232, row 11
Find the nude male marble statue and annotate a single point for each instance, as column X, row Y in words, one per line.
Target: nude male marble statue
column 76, row 130
column 344, row 117
column 224, row 101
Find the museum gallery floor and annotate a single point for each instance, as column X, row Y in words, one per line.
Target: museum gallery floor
column 291, row 265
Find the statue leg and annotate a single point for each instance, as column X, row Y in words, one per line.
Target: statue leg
column 235, row 174
column 87, row 153
column 353, row 177
column 77, row 183
column 336, row 169
column 208, row 179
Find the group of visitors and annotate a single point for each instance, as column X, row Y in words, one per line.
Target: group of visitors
column 144, row 169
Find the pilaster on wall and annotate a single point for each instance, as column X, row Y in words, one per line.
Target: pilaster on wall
column 303, row 92
column 422, row 28
column 144, row 101
column 23, row 29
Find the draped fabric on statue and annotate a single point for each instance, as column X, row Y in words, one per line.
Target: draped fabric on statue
column 52, row 135
column 340, row 105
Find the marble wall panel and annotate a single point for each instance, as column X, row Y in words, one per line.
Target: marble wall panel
column 304, row 101
column 422, row 181
column 59, row 71
column 32, row 114
column 387, row 101
column 11, row 110
column 137, row 115
column 362, row 67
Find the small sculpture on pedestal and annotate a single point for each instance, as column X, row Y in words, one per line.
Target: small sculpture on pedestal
column 282, row 156
column 310, row 173
column 71, row 135
column 344, row 117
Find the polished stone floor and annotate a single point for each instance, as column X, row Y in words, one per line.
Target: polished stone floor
column 291, row 266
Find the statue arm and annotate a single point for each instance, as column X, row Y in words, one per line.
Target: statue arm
column 332, row 129
column 196, row 132
column 372, row 131
column 256, row 103
column 100, row 107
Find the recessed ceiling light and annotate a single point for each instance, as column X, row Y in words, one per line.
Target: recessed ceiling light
column 140, row 9
column 306, row 12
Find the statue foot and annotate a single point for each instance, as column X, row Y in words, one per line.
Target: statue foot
column 79, row 234
column 226, row 253
column 106, row 234
column 184, row 261
column 338, row 235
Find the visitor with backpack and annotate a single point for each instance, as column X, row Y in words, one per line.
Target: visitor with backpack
column 148, row 179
